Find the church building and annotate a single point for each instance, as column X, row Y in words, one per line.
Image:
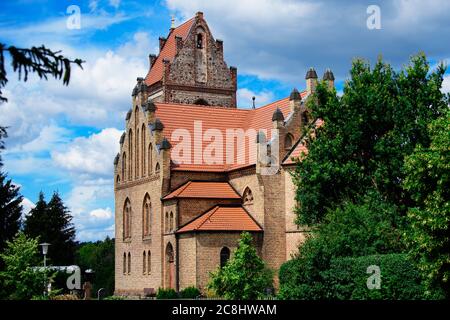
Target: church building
column 194, row 171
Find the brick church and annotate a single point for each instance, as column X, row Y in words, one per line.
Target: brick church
column 192, row 172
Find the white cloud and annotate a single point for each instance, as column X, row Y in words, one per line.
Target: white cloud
column 114, row 3
column 27, row 205
column 446, row 84
column 92, row 155
column 101, row 213
column 244, row 97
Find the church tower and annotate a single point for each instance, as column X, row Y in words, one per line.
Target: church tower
column 190, row 68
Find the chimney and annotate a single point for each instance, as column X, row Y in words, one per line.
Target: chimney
column 151, row 59
column 178, row 43
column 295, row 100
column 328, row 77
column 311, row 81
column 219, row 48
column 162, row 42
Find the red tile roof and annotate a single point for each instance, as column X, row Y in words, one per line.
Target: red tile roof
column 168, row 52
column 222, row 218
column 181, row 116
column 204, row 189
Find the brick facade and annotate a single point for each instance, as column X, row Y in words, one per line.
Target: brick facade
column 144, row 174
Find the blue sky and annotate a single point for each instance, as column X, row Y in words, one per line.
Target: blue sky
column 65, row 138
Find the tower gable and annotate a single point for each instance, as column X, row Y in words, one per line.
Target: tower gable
column 195, row 72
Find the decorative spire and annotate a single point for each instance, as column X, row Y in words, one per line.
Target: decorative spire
column 172, row 22
column 295, row 95
column 278, row 115
column 311, row 74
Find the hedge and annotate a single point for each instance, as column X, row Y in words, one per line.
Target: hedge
column 346, row 279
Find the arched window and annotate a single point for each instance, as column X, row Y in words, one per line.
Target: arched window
column 130, row 152
column 157, row 168
column 127, row 219
column 248, row 196
column 171, row 227
column 166, row 223
column 202, row 102
column 117, row 179
column 146, row 216
column 150, row 159
column 124, row 166
column 124, row 263
column 144, row 261
column 224, row 256
column 144, row 155
column 199, row 41
column 138, row 145
column 149, row 262
column 129, row 263
column 288, row 141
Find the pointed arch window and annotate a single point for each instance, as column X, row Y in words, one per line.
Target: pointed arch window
column 136, row 174
column 124, row 263
column 124, row 166
column 288, row 141
column 130, row 152
column 171, row 224
column 144, row 155
column 224, row 256
column 248, row 196
column 199, row 41
column 127, row 219
column 157, row 168
column 144, row 262
column 150, row 159
column 149, row 262
column 146, row 215
column 129, row 263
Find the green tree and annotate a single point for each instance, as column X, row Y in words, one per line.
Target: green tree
column 350, row 230
column 428, row 180
column 245, row 276
column 380, row 118
column 51, row 222
column 10, row 204
column 98, row 256
column 40, row 60
column 20, row 280
column 10, row 210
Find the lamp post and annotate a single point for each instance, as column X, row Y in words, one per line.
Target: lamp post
column 45, row 246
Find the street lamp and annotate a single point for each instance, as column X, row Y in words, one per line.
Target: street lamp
column 44, row 246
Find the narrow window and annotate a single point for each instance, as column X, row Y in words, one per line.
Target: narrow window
column 130, row 152
column 124, row 263
column 150, row 159
column 199, row 41
column 144, row 261
column 171, row 222
column 248, row 196
column 224, row 256
column 129, row 263
column 124, row 166
column 144, row 155
column 149, row 262
column 138, row 145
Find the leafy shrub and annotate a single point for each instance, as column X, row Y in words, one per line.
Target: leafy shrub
column 114, row 298
column 347, row 278
column 190, row 293
column 166, row 294
column 66, row 297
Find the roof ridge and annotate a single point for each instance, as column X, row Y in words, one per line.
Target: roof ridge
column 182, row 188
column 208, row 216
